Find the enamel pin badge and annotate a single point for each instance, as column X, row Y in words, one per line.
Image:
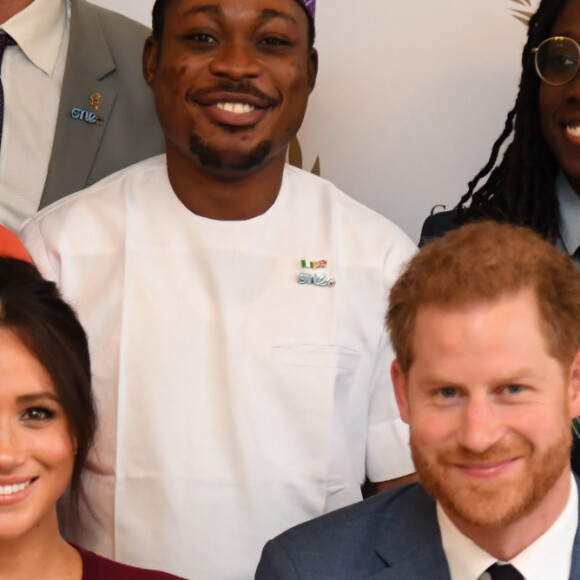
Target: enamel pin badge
column 87, row 115
column 315, row 278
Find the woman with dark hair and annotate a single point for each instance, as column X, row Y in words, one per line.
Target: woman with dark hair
column 540, row 168
column 47, row 425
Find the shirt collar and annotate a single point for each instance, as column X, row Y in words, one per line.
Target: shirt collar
column 38, row 30
column 569, row 224
column 550, row 556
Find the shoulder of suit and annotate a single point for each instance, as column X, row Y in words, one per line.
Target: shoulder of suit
column 364, row 517
column 116, row 23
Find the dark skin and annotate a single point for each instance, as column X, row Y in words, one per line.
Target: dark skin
column 559, row 106
column 231, row 80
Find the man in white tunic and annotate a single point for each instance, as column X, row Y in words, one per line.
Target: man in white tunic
column 234, row 307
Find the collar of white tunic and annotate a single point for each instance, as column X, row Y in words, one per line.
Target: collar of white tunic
column 550, row 556
column 38, row 30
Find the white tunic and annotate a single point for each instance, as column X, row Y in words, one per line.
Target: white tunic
column 234, row 401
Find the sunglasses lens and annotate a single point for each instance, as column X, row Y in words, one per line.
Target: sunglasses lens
column 557, row 60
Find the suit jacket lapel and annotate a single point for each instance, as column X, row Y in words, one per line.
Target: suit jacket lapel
column 76, row 141
column 411, row 542
column 575, row 569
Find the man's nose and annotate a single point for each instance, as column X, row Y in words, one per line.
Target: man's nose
column 235, row 60
column 481, row 426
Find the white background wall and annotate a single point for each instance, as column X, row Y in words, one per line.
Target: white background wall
column 410, row 97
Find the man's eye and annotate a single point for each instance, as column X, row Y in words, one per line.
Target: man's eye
column 202, row 38
column 274, row 42
column 513, row 389
column 448, row 392
column 37, row 414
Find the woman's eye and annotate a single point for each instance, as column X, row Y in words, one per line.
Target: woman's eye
column 38, row 414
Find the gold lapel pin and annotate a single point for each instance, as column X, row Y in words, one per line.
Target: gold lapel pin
column 96, row 100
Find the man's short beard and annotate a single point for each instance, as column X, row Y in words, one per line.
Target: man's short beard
column 217, row 161
column 489, row 504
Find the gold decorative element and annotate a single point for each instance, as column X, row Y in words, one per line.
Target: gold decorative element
column 295, row 157
column 522, row 15
column 96, row 101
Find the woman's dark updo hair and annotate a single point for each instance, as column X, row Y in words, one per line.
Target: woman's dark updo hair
column 32, row 308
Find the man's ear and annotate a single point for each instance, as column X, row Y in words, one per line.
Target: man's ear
column 312, row 68
column 400, row 385
column 150, row 59
column 574, row 386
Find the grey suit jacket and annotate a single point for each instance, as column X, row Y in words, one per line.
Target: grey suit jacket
column 392, row 536
column 104, row 57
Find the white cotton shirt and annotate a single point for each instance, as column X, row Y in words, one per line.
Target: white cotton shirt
column 549, row 557
column 32, row 75
column 234, row 401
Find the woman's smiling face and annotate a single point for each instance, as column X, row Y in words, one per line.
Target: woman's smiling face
column 36, row 445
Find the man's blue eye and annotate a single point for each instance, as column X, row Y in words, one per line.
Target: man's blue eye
column 514, row 389
column 448, row 392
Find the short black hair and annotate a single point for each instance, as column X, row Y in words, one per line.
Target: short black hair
column 32, row 308
column 521, row 188
column 160, row 7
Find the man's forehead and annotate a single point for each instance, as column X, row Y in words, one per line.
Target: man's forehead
column 223, row 6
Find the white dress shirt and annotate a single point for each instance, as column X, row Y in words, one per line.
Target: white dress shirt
column 32, row 75
column 549, row 557
column 569, row 200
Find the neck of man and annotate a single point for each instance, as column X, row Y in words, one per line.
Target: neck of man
column 506, row 542
column 8, row 8
column 226, row 198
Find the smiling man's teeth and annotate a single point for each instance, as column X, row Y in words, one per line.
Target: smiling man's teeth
column 237, row 108
column 573, row 130
column 10, row 489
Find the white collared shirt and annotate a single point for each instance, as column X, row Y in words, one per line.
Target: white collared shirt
column 569, row 223
column 550, row 556
column 32, row 75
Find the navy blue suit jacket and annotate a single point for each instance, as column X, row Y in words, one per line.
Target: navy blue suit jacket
column 391, row 536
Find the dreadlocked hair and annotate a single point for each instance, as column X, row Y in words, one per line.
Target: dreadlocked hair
column 520, row 189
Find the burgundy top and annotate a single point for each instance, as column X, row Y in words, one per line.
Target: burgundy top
column 98, row 568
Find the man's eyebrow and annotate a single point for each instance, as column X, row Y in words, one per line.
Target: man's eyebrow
column 204, row 9
column 269, row 14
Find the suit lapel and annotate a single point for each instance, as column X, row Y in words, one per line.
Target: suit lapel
column 410, row 544
column 575, row 569
column 76, row 140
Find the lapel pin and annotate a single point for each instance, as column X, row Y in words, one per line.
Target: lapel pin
column 316, row 279
column 96, row 101
column 87, row 116
column 313, row 265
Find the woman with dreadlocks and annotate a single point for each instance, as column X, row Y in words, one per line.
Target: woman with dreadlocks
column 537, row 181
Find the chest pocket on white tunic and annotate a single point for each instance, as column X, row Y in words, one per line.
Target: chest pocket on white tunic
column 313, row 355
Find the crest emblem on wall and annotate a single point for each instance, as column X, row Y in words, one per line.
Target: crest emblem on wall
column 522, row 13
